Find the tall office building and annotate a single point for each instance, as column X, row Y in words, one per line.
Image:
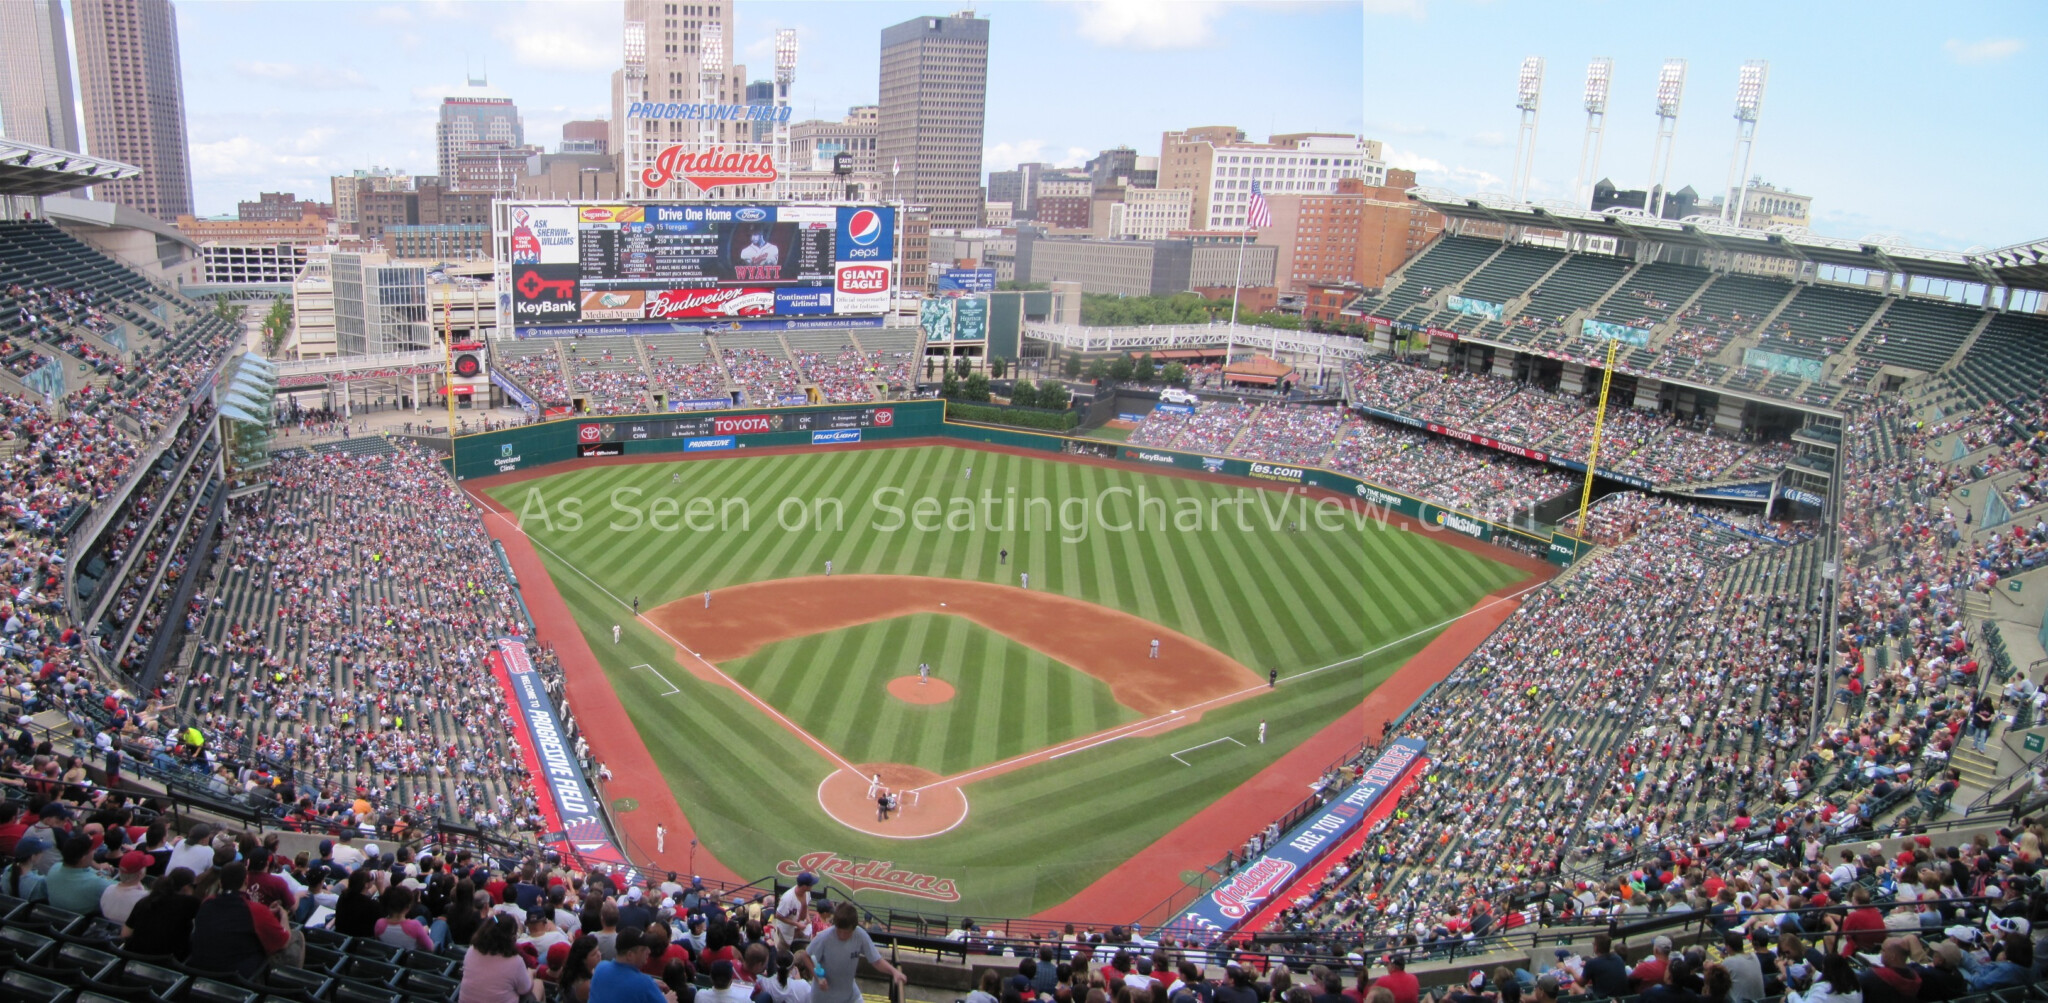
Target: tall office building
column 934, row 97
column 134, row 95
column 476, row 133
column 36, row 105
column 664, row 45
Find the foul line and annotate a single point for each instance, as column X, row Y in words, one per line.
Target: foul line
column 673, row 689
column 1085, row 742
column 1136, row 727
column 720, row 673
column 1204, row 745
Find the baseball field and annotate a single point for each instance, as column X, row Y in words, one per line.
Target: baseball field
column 1047, row 744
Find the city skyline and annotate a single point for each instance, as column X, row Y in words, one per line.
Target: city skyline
column 1427, row 78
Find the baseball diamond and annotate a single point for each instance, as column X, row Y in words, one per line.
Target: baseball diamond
column 1059, row 721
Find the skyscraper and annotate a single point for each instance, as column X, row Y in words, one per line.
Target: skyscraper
column 36, row 105
column 134, row 95
column 934, row 97
column 666, row 47
column 475, row 136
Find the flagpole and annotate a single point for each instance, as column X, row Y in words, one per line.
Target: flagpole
column 1230, row 339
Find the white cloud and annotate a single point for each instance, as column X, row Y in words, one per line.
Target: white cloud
column 540, row 36
column 1400, row 8
column 1989, row 50
column 1006, row 156
column 301, row 77
column 1149, row 24
column 1456, row 177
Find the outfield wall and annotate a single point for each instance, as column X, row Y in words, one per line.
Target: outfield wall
column 823, row 426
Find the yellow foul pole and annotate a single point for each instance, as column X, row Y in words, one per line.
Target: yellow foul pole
column 1593, row 457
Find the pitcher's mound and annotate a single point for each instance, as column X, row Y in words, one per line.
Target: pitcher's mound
column 910, row 689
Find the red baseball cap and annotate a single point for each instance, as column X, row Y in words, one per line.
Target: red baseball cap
column 136, row 861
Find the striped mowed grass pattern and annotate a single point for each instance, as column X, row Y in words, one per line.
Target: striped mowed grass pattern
column 1008, row 699
column 1295, row 601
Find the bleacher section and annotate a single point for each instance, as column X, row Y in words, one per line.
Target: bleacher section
column 1576, row 285
column 1503, row 279
column 1445, row 262
column 619, row 375
column 2010, row 359
column 1919, row 334
column 609, row 373
column 536, row 366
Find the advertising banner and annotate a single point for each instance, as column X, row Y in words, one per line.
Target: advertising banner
column 567, row 801
column 704, row 404
column 865, row 233
column 794, row 302
column 935, row 317
column 614, row 304
column 543, row 235
column 734, row 301
column 861, row 287
column 835, row 436
column 1174, row 408
column 1229, row 904
column 1473, row 308
column 1456, row 522
column 544, row 294
column 709, row 443
column 1391, row 416
column 1392, row 501
column 513, row 392
column 970, row 318
column 1804, row 497
column 1487, row 441
column 1758, row 491
column 1604, row 331
column 967, row 280
column 1783, row 365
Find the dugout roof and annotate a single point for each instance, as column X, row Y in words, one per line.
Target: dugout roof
column 2022, row 266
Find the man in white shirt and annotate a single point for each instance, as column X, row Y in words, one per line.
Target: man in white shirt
column 760, row 252
column 119, row 899
column 793, row 913
column 346, row 854
column 194, row 852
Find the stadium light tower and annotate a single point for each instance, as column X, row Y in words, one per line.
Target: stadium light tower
column 1749, row 100
column 1598, row 73
column 785, row 75
column 710, row 78
column 1670, row 92
column 1528, row 97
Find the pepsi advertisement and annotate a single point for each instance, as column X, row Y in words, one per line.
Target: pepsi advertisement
column 630, row 263
column 1251, row 887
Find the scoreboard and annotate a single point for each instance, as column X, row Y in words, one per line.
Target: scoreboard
column 699, row 427
column 573, row 263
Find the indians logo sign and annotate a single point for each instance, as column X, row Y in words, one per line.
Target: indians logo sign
column 713, row 168
column 1252, row 886
column 871, row 876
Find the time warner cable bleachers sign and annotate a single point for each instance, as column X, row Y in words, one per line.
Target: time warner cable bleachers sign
column 1255, row 884
column 566, row 802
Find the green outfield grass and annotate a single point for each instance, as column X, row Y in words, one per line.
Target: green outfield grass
column 835, row 685
column 1296, row 601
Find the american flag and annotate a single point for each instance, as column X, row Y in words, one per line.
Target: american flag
column 1258, row 214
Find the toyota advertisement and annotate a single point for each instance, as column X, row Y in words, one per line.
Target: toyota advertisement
column 659, row 264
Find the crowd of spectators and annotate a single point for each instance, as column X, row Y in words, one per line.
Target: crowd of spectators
column 688, row 380
column 541, row 375
column 614, row 385
column 767, row 378
column 846, row 378
column 1291, row 433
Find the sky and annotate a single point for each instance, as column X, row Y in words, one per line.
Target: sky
column 1898, row 120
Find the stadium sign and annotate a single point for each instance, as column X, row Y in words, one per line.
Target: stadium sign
column 1270, row 472
column 871, row 876
column 674, row 111
column 835, row 436
column 1229, row 904
column 567, row 804
column 1166, row 458
column 716, row 167
column 1383, row 499
column 709, row 443
column 1461, row 524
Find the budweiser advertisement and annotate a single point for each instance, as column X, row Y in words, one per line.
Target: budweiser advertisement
column 674, row 304
column 861, row 287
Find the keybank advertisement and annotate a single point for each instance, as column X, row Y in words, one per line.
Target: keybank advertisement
column 566, row 799
column 1230, row 903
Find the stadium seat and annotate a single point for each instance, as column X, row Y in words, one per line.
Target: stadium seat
column 364, row 947
column 216, row 991
column 430, row 964
column 421, row 984
column 365, row 970
column 295, row 984
column 353, row 992
column 18, row 986
column 157, row 981
column 326, row 938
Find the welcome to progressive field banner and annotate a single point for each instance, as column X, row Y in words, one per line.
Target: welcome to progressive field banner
column 1228, row 905
column 567, row 802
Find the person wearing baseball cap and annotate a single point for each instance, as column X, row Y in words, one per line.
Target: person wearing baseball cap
column 793, row 913
column 23, row 879
column 620, row 980
column 119, row 899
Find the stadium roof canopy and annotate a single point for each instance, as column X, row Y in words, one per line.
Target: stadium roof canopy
column 28, row 169
column 2023, row 266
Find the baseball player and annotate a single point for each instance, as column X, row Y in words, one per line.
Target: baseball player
column 660, row 838
column 676, row 478
column 924, row 673
column 970, row 474
column 615, row 633
column 1002, row 557
column 1024, row 579
column 828, row 569
column 1155, row 647
column 636, row 605
column 707, row 598
column 1262, row 732
column 1272, row 679
column 874, row 784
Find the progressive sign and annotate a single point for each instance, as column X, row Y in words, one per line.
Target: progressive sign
column 567, row 802
column 1229, row 904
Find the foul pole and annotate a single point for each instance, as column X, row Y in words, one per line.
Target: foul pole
column 448, row 361
column 1593, row 456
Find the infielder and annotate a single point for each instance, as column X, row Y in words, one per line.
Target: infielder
column 615, row 633
column 1155, row 647
column 1262, row 732
column 707, row 598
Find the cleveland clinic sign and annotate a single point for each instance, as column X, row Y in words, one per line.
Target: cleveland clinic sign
column 669, row 110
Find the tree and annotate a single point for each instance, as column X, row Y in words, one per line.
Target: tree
column 977, row 387
column 962, row 365
column 950, row 386
column 997, row 366
column 1175, row 373
column 1097, row 369
column 1053, row 396
column 1072, row 367
column 277, row 325
column 1024, row 394
column 1144, row 372
column 928, row 361
column 1122, row 368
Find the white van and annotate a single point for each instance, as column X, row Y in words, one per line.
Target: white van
column 1175, row 395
